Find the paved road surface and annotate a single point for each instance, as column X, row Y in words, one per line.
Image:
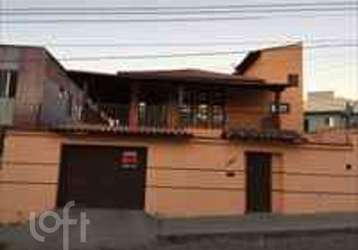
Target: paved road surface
column 112, row 230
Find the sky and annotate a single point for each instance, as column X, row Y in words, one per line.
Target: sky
column 333, row 69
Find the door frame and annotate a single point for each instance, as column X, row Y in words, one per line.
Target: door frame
column 63, row 172
column 269, row 156
column 62, row 186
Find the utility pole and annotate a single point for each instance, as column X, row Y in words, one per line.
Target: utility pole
column 348, row 114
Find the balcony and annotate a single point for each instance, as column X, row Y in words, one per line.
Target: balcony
column 143, row 117
column 201, row 120
column 26, row 115
column 152, row 120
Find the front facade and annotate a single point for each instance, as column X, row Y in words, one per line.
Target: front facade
column 180, row 143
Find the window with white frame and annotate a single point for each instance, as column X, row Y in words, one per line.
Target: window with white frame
column 8, row 82
column 329, row 121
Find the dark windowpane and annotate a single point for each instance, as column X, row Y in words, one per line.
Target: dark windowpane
column 8, row 83
column 13, row 84
column 70, row 104
column 218, row 115
column 3, row 83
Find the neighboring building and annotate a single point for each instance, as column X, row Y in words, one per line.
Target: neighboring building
column 35, row 89
column 172, row 143
column 326, row 111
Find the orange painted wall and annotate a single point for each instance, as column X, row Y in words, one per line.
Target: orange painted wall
column 274, row 65
column 28, row 175
column 187, row 178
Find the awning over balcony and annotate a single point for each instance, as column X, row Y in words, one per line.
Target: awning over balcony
column 274, row 135
column 194, row 76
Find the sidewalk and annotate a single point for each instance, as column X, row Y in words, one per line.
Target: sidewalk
column 258, row 224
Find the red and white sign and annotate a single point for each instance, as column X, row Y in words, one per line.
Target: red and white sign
column 129, row 159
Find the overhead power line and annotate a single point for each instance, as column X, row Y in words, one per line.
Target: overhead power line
column 158, row 7
column 181, row 55
column 163, row 20
column 186, row 12
column 216, row 53
column 192, row 44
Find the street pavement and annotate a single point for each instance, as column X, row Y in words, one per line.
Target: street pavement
column 119, row 230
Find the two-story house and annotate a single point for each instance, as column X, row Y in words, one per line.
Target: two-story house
column 190, row 101
column 172, row 143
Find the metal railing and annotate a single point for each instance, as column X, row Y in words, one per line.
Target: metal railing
column 14, row 113
column 156, row 116
column 167, row 116
column 163, row 116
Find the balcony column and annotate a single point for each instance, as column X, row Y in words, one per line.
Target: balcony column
column 133, row 106
column 276, row 119
column 175, row 103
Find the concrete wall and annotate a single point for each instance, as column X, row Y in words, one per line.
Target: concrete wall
column 63, row 100
column 40, row 78
column 28, row 175
column 274, row 65
column 30, row 64
column 187, row 178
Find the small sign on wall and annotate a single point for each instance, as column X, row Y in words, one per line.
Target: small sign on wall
column 280, row 108
column 129, row 159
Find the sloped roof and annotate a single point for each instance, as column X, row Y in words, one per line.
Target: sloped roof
column 254, row 55
column 272, row 135
column 247, row 62
column 195, row 76
column 122, row 130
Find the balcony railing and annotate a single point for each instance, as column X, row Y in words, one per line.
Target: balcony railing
column 144, row 117
column 31, row 115
column 156, row 116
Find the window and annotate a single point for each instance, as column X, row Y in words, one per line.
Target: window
column 293, row 79
column 329, row 121
column 202, row 108
column 218, row 115
column 307, row 125
column 69, row 104
column 8, row 82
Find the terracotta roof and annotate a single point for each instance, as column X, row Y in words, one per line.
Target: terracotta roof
column 195, row 76
column 122, row 130
column 247, row 62
column 245, row 134
column 93, row 73
column 189, row 76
